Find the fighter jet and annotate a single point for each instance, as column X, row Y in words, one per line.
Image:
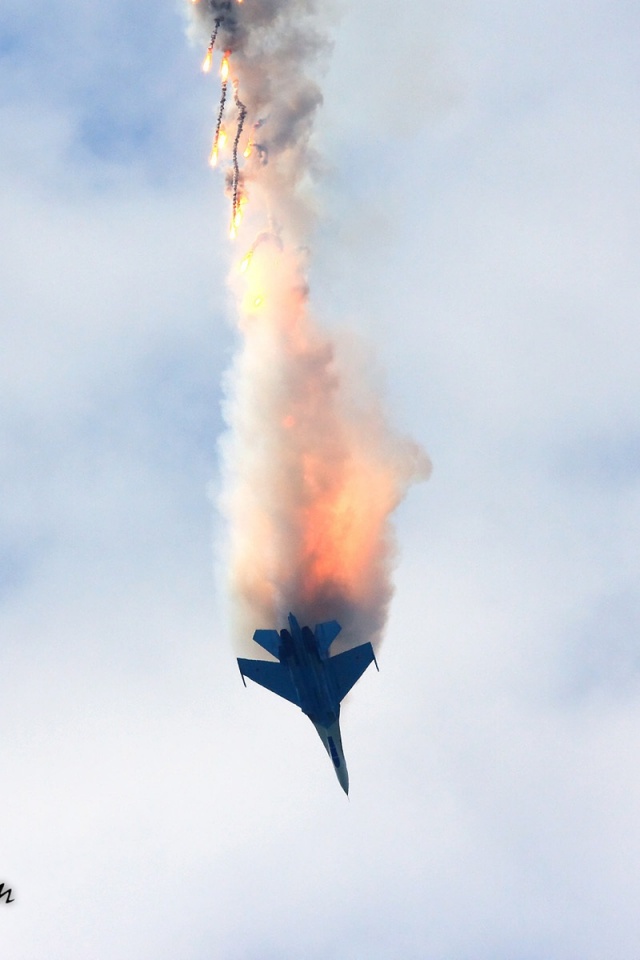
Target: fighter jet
column 307, row 676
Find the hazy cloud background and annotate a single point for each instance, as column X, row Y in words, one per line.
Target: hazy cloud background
column 481, row 232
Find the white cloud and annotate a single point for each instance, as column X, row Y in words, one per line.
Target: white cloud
column 154, row 808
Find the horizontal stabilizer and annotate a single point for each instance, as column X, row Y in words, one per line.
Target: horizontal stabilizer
column 326, row 634
column 269, row 640
column 347, row 668
column 273, row 676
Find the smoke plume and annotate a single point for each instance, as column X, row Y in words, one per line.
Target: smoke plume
column 313, row 470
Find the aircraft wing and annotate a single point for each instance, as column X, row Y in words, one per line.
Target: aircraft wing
column 346, row 668
column 273, row 676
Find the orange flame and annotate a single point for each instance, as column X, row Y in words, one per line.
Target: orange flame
column 206, row 63
column 224, row 68
column 245, row 263
column 213, row 156
column 342, row 524
column 248, row 149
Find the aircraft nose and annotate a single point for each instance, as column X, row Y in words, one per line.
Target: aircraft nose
column 332, row 741
column 343, row 777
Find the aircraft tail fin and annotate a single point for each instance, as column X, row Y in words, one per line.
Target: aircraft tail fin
column 269, row 640
column 325, row 634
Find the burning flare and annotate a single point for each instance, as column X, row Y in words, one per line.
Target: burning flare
column 206, row 66
column 313, row 470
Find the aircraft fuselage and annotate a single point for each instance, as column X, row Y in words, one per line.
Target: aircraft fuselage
column 306, row 675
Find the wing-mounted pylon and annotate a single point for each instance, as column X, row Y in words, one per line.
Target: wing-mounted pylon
column 325, row 634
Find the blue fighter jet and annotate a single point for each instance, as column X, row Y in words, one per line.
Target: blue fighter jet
column 307, row 676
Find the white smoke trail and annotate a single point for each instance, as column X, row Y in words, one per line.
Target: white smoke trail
column 313, row 470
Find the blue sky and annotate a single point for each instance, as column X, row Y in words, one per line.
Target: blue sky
column 480, row 228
